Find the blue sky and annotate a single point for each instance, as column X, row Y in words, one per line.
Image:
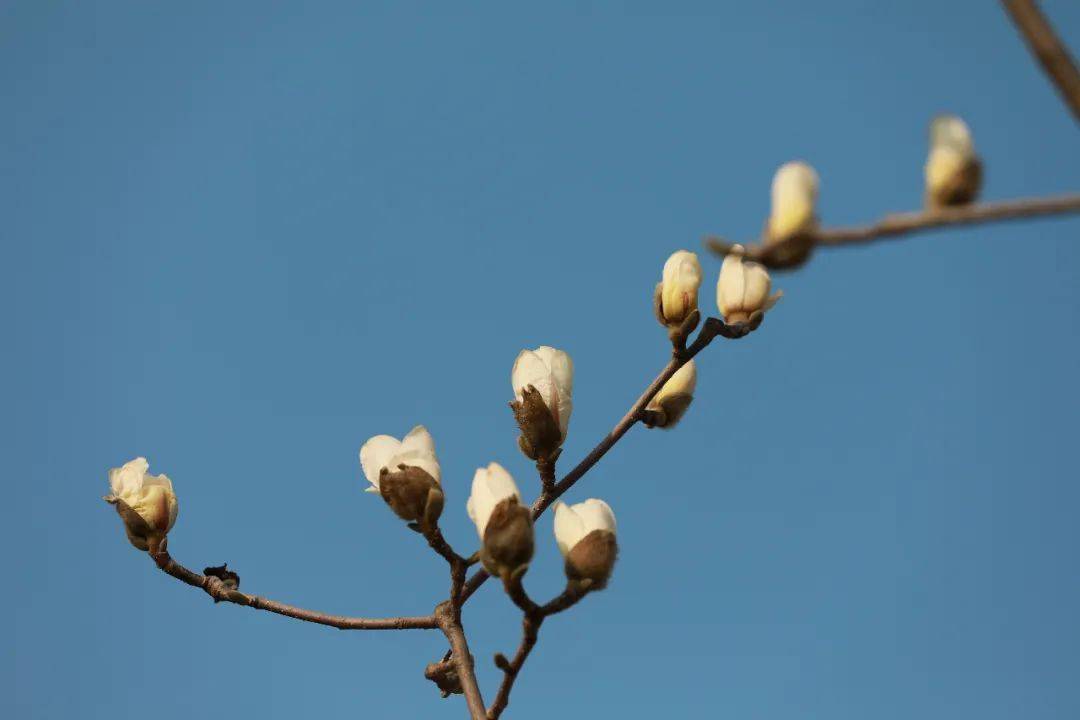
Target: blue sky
column 241, row 238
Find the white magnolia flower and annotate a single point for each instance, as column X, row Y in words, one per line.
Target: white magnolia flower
column 794, row 197
column 417, row 449
column 551, row 372
column 490, row 486
column 574, row 522
column 150, row 496
column 743, row 288
column 679, row 287
column 953, row 170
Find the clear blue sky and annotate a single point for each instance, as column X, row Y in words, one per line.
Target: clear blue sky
column 240, row 238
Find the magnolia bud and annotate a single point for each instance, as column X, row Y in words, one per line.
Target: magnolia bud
column 145, row 502
column 793, row 218
column 585, row 534
column 677, row 293
column 742, row 292
column 668, row 406
column 406, row 473
column 543, row 381
column 953, row 170
column 502, row 521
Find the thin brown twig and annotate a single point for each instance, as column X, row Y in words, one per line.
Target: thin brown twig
column 907, row 223
column 533, row 617
column 713, row 328
column 215, row 588
column 1047, row 47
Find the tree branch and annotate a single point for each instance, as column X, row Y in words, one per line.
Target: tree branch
column 533, row 617
column 898, row 224
column 449, row 621
column 220, row 592
column 713, row 328
column 1047, row 47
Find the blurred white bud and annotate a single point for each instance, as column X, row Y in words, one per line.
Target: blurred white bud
column 743, row 289
column 550, row 373
column 669, row 405
column 794, row 200
column 145, row 502
column 405, row 473
column 585, row 534
column 677, row 293
column 953, row 170
column 503, row 523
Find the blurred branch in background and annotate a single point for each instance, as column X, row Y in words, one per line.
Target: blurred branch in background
column 1048, row 49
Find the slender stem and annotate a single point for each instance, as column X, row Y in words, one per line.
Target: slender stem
column 1048, row 49
column 530, row 629
column 215, row 588
column 900, row 224
column 449, row 621
column 713, row 328
column 533, row 617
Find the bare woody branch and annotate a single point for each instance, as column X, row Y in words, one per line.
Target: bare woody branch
column 894, row 225
column 220, row 591
column 448, row 617
column 1048, row 49
column 533, row 616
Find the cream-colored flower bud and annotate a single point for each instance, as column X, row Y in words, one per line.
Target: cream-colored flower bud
column 677, row 293
column 794, row 200
column 585, row 534
column 503, row 523
column 406, row 474
column 145, row 502
column 953, row 170
column 743, row 289
column 669, row 405
column 543, row 413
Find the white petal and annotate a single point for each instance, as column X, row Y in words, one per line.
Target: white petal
column 529, row 369
column 950, row 131
column 758, row 285
column 561, row 395
column 569, row 528
column 731, row 285
column 419, row 439
column 127, row 480
column 681, row 280
column 376, row 454
column 794, row 195
column 562, row 369
column 491, row 485
column 596, row 515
